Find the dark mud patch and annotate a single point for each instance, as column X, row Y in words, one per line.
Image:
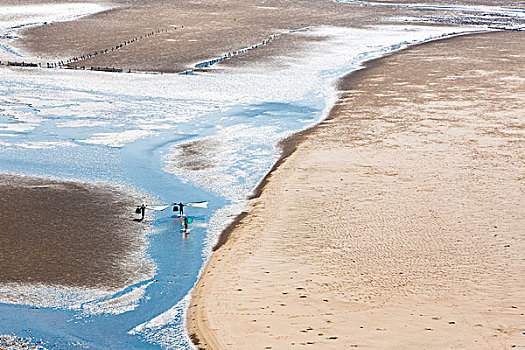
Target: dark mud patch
column 69, row 234
column 197, row 155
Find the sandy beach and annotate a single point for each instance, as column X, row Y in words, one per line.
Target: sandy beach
column 396, row 224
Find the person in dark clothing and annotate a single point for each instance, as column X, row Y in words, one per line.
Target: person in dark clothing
column 185, row 223
column 142, row 211
column 181, row 209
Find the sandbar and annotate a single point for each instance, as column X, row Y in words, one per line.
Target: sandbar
column 397, row 223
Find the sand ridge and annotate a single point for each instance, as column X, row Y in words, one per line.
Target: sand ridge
column 399, row 221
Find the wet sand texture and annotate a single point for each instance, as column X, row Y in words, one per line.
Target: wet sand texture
column 396, row 224
column 190, row 32
column 196, row 31
column 69, row 234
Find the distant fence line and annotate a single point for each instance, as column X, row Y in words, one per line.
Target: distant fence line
column 80, row 58
column 105, row 51
column 66, row 64
column 232, row 54
column 228, row 55
column 20, row 64
column 39, row 65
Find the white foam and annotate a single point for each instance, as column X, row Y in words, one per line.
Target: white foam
column 22, row 127
column 117, row 139
column 118, row 305
column 168, row 329
column 88, row 300
column 39, row 295
column 37, row 144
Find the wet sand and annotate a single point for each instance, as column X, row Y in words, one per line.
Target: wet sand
column 399, row 220
column 186, row 33
column 195, row 31
column 69, row 234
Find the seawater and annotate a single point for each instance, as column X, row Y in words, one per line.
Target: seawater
column 125, row 129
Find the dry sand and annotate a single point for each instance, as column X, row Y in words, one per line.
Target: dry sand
column 397, row 224
column 69, row 234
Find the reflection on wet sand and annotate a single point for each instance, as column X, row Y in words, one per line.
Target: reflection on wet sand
column 69, row 234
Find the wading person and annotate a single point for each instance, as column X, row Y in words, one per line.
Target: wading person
column 185, row 223
column 142, row 211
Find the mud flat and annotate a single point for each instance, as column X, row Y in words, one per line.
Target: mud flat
column 59, row 233
column 190, row 32
column 161, row 36
column 396, row 223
